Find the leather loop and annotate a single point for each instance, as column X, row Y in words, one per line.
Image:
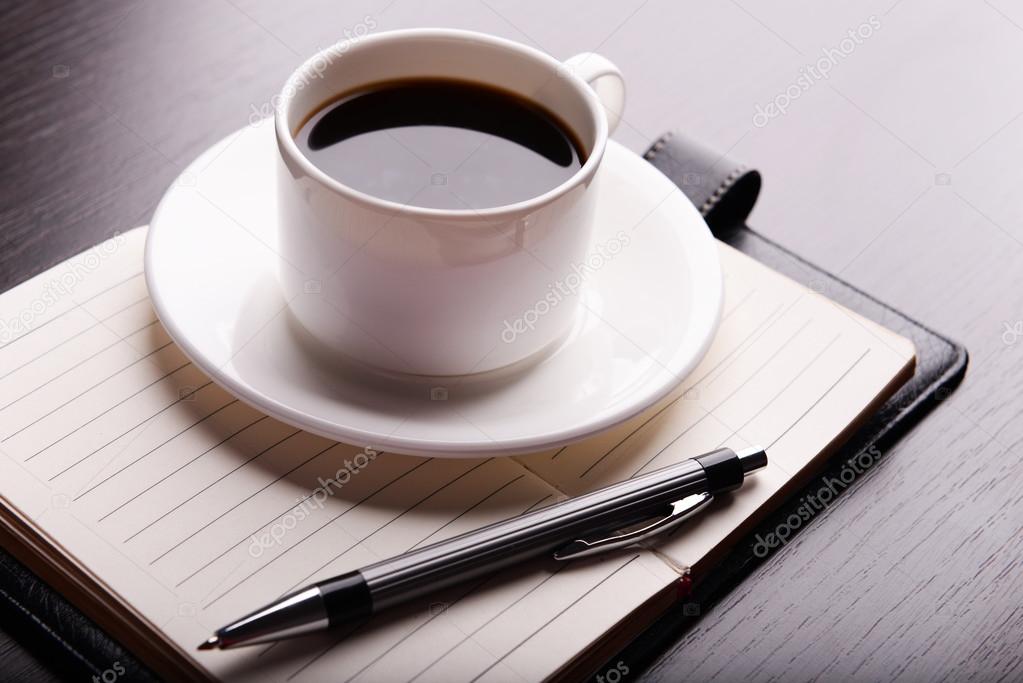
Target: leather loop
column 723, row 190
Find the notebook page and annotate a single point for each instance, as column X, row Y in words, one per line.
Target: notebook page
column 788, row 370
column 194, row 508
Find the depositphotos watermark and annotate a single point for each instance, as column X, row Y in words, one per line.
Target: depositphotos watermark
column 56, row 288
column 814, row 503
column 275, row 533
column 111, row 674
column 1012, row 332
column 614, row 674
column 319, row 64
column 813, row 73
column 558, row 291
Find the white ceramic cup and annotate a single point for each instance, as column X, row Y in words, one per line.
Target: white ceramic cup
column 426, row 291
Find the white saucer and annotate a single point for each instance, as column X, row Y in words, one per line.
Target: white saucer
column 650, row 313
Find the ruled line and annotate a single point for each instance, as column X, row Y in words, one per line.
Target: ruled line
column 734, row 355
column 392, row 521
column 123, row 434
column 753, row 375
column 251, row 534
column 94, row 386
column 361, row 540
column 766, row 324
column 80, row 333
column 560, row 566
column 77, row 365
column 247, row 498
column 212, row 484
column 733, row 358
column 315, row 531
column 820, row 398
column 153, row 450
column 738, row 305
column 345, row 634
column 76, row 307
column 537, row 503
column 408, row 635
column 208, row 486
column 552, row 619
column 466, row 511
column 725, row 317
column 107, row 411
column 767, row 404
column 168, row 476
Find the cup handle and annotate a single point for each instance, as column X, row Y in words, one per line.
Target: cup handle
column 605, row 79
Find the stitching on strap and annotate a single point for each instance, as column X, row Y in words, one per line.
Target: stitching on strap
column 716, row 196
column 722, row 188
column 658, row 146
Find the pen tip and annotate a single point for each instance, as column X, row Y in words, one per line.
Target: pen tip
column 210, row 643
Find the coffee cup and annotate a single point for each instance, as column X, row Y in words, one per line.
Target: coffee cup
column 421, row 290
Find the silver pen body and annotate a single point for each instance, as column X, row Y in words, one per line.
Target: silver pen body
column 395, row 580
column 356, row 595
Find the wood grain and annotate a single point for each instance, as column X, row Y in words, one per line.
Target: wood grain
column 899, row 170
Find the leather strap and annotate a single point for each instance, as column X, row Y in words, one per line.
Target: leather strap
column 722, row 189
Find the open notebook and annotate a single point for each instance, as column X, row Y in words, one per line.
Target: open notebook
column 164, row 507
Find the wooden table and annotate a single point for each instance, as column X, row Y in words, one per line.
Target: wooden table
column 895, row 169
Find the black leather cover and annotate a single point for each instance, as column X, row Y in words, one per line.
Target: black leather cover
column 725, row 193
column 65, row 640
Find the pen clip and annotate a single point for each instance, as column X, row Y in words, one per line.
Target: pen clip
column 681, row 510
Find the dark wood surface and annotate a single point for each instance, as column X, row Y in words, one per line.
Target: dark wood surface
column 898, row 170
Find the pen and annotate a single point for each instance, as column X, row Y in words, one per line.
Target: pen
column 612, row 517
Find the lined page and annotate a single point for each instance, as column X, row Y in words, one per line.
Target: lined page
column 192, row 508
column 788, row 370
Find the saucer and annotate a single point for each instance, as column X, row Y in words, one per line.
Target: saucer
column 648, row 314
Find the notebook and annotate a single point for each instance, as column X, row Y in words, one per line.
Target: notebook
column 163, row 507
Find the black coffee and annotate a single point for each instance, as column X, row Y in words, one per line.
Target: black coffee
column 441, row 144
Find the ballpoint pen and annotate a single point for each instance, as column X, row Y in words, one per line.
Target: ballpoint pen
column 615, row 516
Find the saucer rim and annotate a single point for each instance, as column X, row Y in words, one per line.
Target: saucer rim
column 423, row 446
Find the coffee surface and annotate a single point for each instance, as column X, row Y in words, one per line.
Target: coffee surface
column 441, row 144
